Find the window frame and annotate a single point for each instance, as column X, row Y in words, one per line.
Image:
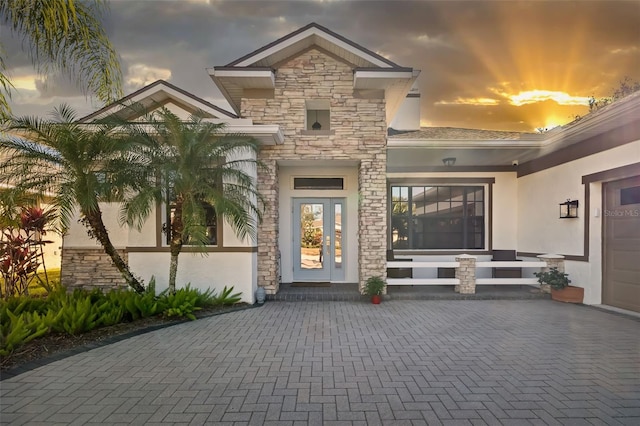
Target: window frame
column 485, row 183
column 165, row 227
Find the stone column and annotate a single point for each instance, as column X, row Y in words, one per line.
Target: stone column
column 372, row 218
column 553, row 261
column 268, row 229
column 466, row 273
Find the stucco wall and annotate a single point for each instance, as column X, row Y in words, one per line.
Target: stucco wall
column 84, row 263
column 358, row 134
column 215, row 271
column 539, row 194
column 541, row 231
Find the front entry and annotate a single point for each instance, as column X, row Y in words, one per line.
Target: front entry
column 318, row 239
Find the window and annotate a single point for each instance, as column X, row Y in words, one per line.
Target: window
column 437, row 217
column 318, row 183
column 318, row 116
column 630, row 196
column 211, row 221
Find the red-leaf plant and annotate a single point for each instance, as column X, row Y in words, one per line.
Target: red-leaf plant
column 21, row 251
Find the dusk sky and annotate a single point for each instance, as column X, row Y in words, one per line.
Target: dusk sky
column 503, row 65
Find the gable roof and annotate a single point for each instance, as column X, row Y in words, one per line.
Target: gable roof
column 160, row 92
column 370, row 70
column 312, row 34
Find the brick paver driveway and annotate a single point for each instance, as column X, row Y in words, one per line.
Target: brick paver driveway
column 403, row 362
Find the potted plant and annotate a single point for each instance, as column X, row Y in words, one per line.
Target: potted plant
column 374, row 288
column 560, row 288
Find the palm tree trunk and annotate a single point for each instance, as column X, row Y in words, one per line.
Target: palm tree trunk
column 175, row 245
column 173, row 271
column 101, row 234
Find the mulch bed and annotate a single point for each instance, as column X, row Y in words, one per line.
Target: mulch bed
column 52, row 347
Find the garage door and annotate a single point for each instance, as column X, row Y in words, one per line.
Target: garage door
column 621, row 239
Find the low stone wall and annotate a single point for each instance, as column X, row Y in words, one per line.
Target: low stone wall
column 89, row 269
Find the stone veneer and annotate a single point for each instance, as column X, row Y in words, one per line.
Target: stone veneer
column 358, row 133
column 90, row 268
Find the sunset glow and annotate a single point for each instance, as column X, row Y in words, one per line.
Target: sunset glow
column 27, row 82
column 470, row 101
column 497, row 65
column 561, row 98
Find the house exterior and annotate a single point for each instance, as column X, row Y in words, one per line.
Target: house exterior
column 349, row 174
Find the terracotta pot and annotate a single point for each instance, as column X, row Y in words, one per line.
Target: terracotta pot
column 569, row 294
column 375, row 299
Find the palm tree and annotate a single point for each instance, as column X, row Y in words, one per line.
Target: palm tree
column 200, row 169
column 63, row 35
column 77, row 165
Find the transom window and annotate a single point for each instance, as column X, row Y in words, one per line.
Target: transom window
column 437, row 217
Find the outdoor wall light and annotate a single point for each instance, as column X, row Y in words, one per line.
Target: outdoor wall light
column 316, row 125
column 569, row 209
column 449, row 161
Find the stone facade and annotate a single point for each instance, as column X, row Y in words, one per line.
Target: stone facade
column 90, row 268
column 357, row 133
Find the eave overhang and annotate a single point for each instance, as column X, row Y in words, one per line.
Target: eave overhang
column 267, row 134
column 396, row 83
column 232, row 81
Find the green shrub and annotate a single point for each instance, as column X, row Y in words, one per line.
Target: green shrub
column 79, row 314
column 226, row 298
column 109, row 313
column 374, row 286
column 556, row 279
column 183, row 303
column 22, row 328
column 206, row 299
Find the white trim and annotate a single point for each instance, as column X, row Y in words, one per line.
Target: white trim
column 616, row 114
column 270, row 134
column 426, row 264
column 462, row 143
column 507, row 281
column 423, row 281
column 170, row 93
column 238, row 76
column 384, row 78
column 313, row 31
column 510, row 264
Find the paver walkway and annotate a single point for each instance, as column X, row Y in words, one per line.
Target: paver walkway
column 495, row 362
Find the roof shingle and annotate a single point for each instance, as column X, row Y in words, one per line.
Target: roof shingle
column 455, row 133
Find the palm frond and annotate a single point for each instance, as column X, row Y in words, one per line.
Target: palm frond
column 68, row 36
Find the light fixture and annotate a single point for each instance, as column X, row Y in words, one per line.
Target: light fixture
column 449, row 161
column 569, row 209
column 316, row 125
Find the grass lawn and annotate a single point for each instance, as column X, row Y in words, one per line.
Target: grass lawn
column 35, row 288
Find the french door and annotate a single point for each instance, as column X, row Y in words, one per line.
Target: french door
column 318, row 225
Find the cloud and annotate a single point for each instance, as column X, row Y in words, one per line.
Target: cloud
column 140, row 75
column 568, row 49
column 470, row 101
column 533, row 96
